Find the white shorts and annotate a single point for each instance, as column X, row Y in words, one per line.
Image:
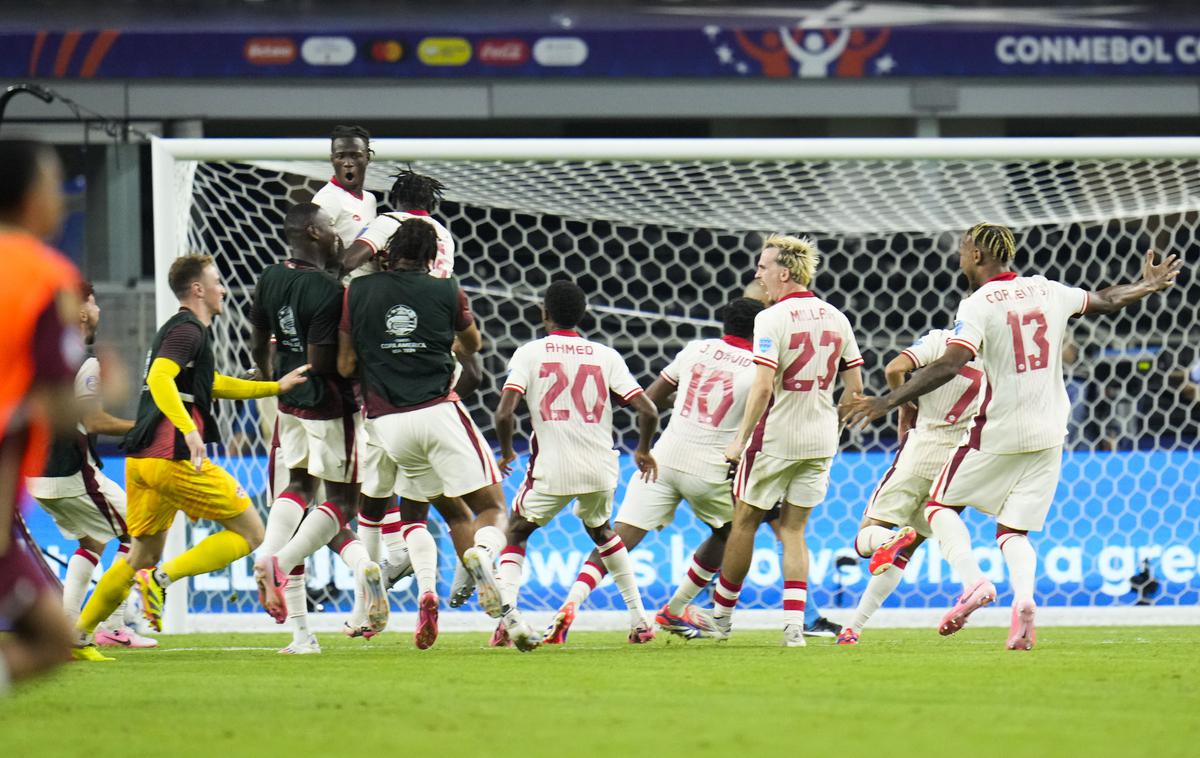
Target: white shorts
column 1016, row 488
column 899, row 499
column 326, row 449
column 378, row 470
column 762, row 480
column 651, row 505
column 437, row 450
column 99, row 514
column 593, row 508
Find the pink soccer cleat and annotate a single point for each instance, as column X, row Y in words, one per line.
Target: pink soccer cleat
column 979, row 594
column 427, row 620
column 271, row 582
column 885, row 556
column 847, row 636
column 500, row 637
column 556, row 633
column 123, row 637
column 353, row 632
column 1021, row 635
column 641, row 634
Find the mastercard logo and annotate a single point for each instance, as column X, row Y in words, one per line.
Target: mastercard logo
column 386, row 51
column 444, row 51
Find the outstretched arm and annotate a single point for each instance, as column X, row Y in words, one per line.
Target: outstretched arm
column 865, row 409
column 1154, row 279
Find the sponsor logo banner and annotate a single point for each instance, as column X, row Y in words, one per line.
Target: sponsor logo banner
column 444, row 51
column 328, row 51
column 503, row 52
column 270, row 51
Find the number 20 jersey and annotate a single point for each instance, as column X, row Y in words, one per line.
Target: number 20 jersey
column 1016, row 324
column 943, row 415
column 712, row 378
column 566, row 381
column 808, row 343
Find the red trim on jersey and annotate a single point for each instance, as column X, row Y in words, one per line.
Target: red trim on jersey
column 631, row 394
column 739, row 342
column 1087, row 297
column 668, row 379
column 847, row 365
column 484, row 459
column 356, row 195
column 891, row 470
column 764, row 361
column 564, row 333
column 514, row 388
column 1007, row 276
column 415, row 212
column 915, row 362
column 751, row 451
column 971, row 444
column 956, row 341
column 789, row 296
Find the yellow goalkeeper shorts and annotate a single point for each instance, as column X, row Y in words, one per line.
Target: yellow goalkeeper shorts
column 157, row 488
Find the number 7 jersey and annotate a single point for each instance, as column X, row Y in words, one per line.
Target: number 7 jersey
column 567, row 381
column 1016, row 324
column 808, row 343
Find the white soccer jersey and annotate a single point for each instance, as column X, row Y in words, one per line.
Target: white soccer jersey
column 1016, row 325
column 713, row 377
column 87, row 387
column 566, row 381
column 808, row 342
column 379, row 231
column 351, row 212
column 944, row 415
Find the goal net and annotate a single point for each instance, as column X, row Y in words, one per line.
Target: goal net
column 661, row 234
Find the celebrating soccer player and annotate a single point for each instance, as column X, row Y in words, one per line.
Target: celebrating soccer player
column 566, row 380
column 167, row 469
column 301, row 304
column 85, row 504
column 715, row 375
column 1009, row 465
column 802, row 344
column 398, row 329
column 927, row 439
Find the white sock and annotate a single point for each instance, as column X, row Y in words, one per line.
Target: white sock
column 878, row 589
column 589, row 576
column 287, row 511
column 422, row 551
column 370, row 534
column 491, row 539
column 1022, row 564
column 316, row 530
column 296, row 595
column 725, row 596
column 616, row 560
column 80, row 568
column 870, row 538
column 512, row 561
column 955, row 542
column 354, row 555
column 393, row 540
column 795, row 594
column 697, row 578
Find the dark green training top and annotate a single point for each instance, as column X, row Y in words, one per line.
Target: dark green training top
column 403, row 324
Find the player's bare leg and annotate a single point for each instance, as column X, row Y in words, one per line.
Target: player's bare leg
column 283, row 595
column 1021, row 559
column 590, row 575
column 880, row 585
column 792, row 522
column 513, row 630
column 487, row 503
column 739, row 550
column 955, row 542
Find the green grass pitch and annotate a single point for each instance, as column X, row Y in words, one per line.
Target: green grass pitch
column 1126, row 691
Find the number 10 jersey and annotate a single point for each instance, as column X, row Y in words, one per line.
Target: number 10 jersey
column 566, row 381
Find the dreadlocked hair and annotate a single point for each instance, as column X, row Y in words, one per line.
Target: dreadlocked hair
column 415, row 241
column 343, row 131
column 412, row 190
column 995, row 240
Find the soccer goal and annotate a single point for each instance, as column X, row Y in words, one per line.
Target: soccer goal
column 662, row 233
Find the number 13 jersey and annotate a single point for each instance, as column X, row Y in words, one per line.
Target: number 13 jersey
column 566, row 381
column 1016, row 324
column 712, row 378
column 807, row 342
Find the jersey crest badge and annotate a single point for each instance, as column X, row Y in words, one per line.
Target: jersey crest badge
column 401, row 320
column 765, row 344
column 287, row 321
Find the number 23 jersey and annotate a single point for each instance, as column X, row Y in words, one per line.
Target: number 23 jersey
column 808, row 343
column 1016, row 324
column 712, row 377
column 566, row 381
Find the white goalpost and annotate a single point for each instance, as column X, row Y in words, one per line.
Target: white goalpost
column 662, row 233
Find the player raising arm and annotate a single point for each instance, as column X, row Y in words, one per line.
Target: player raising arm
column 801, row 345
column 1009, row 465
column 167, row 469
column 566, row 381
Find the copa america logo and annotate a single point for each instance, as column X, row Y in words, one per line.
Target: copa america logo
column 401, row 320
column 287, row 321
